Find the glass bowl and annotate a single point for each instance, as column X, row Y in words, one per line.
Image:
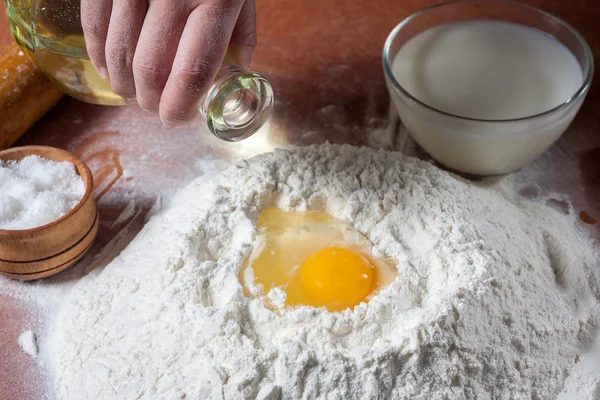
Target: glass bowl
column 483, row 147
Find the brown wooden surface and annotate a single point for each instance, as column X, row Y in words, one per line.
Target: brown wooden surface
column 323, row 59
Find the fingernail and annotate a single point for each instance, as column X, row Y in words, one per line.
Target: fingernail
column 246, row 57
column 149, row 111
column 171, row 124
column 241, row 56
column 103, row 73
column 165, row 122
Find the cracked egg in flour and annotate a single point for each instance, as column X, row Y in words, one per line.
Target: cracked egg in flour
column 317, row 260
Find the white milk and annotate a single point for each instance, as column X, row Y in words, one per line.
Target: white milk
column 487, row 70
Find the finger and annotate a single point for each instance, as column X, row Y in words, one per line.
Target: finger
column 156, row 49
column 199, row 56
column 244, row 37
column 124, row 30
column 95, row 17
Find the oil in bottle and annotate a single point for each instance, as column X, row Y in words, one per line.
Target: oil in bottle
column 50, row 32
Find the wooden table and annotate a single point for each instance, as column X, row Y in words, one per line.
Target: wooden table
column 323, row 59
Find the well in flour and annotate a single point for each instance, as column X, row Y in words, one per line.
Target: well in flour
column 316, row 260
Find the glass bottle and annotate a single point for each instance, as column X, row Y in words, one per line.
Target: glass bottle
column 235, row 106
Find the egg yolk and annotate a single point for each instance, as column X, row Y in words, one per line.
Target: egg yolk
column 336, row 278
column 315, row 259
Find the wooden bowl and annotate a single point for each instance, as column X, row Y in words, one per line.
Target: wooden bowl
column 49, row 249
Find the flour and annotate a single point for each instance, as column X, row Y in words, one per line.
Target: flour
column 496, row 296
column 28, row 343
column 35, row 191
column 584, row 380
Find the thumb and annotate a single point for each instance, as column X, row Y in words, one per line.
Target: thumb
column 244, row 38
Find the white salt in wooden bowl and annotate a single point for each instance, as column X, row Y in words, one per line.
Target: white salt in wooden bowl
column 49, row 249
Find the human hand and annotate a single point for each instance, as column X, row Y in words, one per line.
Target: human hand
column 166, row 53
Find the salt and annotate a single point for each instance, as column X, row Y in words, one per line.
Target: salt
column 35, row 191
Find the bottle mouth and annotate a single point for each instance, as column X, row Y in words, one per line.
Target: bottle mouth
column 238, row 106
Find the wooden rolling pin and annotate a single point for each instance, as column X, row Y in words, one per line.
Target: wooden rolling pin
column 25, row 94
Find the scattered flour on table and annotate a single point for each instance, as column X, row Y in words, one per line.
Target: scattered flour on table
column 584, row 380
column 496, row 297
column 28, row 343
column 36, row 191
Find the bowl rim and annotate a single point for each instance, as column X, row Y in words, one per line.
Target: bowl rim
column 80, row 167
column 581, row 91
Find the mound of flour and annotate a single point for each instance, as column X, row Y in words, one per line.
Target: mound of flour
column 496, row 296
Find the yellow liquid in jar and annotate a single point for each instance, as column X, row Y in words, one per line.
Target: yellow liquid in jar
column 78, row 78
column 59, row 48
